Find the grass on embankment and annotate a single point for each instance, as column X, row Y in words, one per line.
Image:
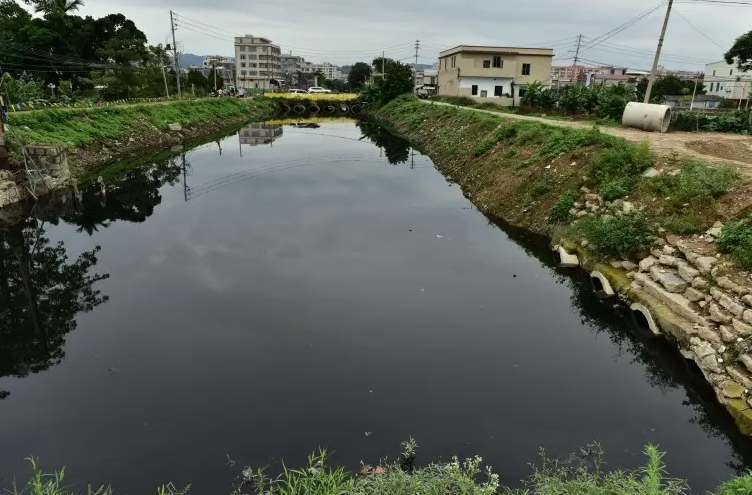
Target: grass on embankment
column 537, row 176
column 455, row 477
column 82, row 127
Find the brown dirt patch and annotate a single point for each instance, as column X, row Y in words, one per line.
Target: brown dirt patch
column 730, row 150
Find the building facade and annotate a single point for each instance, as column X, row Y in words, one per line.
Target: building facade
column 329, row 71
column 565, row 75
column 257, row 63
column 225, row 67
column 727, row 81
column 292, row 67
column 490, row 73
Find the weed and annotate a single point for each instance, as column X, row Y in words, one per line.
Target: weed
column 685, row 223
column 736, row 239
column 560, row 211
column 739, row 486
column 562, row 141
column 619, row 236
column 696, row 181
column 619, row 166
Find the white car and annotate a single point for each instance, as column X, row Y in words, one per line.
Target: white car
column 318, row 89
column 297, row 91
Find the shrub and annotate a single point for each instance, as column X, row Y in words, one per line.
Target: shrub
column 619, row 236
column 614, row 189
column 738, row 121
column 736, row 239
column 738, row 486
column 619, row 166
column 561, row 141
column 560, row 210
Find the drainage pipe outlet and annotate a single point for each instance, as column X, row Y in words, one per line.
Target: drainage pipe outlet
column 644, row 318
column 601, row 284
column 566, row 260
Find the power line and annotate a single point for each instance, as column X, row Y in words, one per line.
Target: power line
column 621, row 27
column 699, row 31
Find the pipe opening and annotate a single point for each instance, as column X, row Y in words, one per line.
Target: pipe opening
column 643, row 319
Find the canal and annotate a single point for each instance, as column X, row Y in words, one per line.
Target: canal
column 293, row 286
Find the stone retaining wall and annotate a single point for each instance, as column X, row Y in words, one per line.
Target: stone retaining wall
column 50, row 161
column 703, row 303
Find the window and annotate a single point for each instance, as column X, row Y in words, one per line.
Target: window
column 713, row 72
column 484, row 94
column 522, row 92
column 242, row 57
column 474, row 90
column 731, row 72
column 242, row 64
column 486, row 64
column 454, row 61
column 498, row 90
column 446, row 63
column 525, row 69
column 497, row 63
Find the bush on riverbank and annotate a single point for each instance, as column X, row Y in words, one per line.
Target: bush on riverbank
column 739, row 122
column 468, row 477
column 79, row 127
column 736, row 239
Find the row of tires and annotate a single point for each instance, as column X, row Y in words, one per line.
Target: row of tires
column 325, row 108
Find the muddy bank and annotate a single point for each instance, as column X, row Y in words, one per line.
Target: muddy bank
column 664, row 264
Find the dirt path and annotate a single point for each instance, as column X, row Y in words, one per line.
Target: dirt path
column 731, row 149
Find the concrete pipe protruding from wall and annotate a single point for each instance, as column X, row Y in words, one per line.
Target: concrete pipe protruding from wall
column 601, row 284
column 566, row 260
column 647, row 116
column 644, row 317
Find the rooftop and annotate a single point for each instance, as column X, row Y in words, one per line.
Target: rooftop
column 504, row 50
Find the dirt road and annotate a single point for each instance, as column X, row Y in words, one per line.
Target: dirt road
column 731, row 149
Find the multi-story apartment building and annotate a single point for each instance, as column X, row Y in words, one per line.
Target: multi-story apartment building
column 564, row 75
column 292, row 67
column 727, row 81
column 493, row 73
column 257, row 63
column 256, row 134
column 329, row 71
column 225, row 67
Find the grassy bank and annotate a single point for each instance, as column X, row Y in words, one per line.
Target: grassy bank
column 585, row 476
column 112, row 126
column 613, row 194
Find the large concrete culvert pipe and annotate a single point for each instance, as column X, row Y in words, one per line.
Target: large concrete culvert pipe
column 647, row 116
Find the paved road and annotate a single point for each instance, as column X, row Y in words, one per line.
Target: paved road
column 733, row 149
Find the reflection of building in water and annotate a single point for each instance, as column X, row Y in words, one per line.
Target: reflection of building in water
column 256, row 134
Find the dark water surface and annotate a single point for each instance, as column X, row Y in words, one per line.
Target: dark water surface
column 307, row 292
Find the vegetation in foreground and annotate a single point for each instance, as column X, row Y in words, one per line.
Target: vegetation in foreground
column 586, row 476
column 545, row 178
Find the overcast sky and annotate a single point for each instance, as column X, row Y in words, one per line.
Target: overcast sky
column 346, row 31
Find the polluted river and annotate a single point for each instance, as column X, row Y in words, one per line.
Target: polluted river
column 295, row 285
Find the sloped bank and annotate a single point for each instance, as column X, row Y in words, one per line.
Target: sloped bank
column 87, row 138
column 645, row 226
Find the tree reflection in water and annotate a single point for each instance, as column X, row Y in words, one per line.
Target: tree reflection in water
column 396, row 149
column 41, row 292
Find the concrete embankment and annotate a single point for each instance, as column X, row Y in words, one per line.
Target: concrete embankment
column 82, row 139
column 645, row 227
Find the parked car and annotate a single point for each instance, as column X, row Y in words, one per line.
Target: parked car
column 297, row 91
column 318, row 89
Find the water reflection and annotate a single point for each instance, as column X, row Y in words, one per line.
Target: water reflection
column 257, row 134
column 396, row 149
column 664, row 367
column 41, row 293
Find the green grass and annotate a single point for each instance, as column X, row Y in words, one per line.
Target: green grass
column 454, row 477
column 695, row 181
column 617, row 168
column 736, row 239
column 623, row 236
column 79, row 127
column 560, row 210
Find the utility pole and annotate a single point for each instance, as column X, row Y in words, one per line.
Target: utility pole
column 415, row 67
column 654, row 70
column 214, row 69
column 383, row 61
column 576, row 56
column 175, row 52
column 164, row 78
column 694, row 92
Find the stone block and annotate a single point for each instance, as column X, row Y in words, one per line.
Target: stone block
column 676, row 302
column 727, row 334
column 731, row 305
column 175, row 127
column 747, row 299
column 717, row 314
column 746, row 360
column 670, row 280
column 728, row 284
column 739, row 376
column 705, row 263
column 741, row 328
column 732, row 390
column 686, row 271
column 693, row 294
column 647, row 263
column 668, row 260
column 700, row 283
column 747, row 316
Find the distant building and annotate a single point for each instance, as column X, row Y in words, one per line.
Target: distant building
column 564, row 75
column 225, row 67
column 727, row 81
column 257, row 63
column 493, row 73
column 329, row 71
column 427, row 81
column 292, row 67
column 701, row 102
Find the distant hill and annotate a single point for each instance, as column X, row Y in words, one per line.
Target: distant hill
column 190, row 59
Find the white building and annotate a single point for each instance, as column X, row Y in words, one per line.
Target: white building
column 727, row 81
column 330, row 71
column 223, row 65
column 257, row 63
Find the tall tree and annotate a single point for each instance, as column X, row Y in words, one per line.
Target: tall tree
column 55, row 7
column 359, row 74
column 741, row 52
